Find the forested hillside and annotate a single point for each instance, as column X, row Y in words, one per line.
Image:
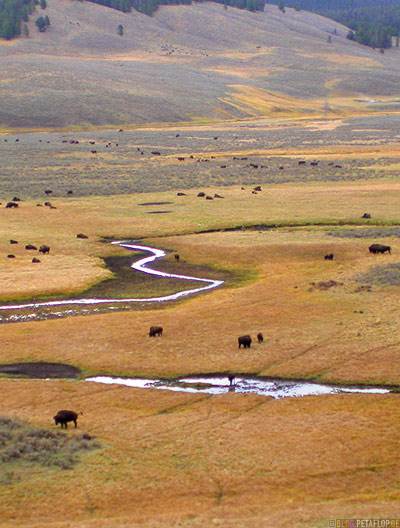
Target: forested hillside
column 371, row 24
column 12, row 13
column 149, row 6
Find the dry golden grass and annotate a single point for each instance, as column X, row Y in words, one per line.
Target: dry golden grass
column 171, row 459
column 174, row 459
column 74, row 264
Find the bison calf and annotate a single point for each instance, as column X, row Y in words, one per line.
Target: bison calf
column 155, row 331
column 63, row 417
column 260, row 337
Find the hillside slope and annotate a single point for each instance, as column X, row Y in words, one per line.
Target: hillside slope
column 197, row 62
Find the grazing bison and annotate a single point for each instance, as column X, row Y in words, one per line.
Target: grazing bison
column 30, row 246
column 379, row 248
column 257, row 189
column 48, row 192
column 63, row 417
column 16, row 199
column 329, row 256
column 13, row 241
column 245, row 341
column 35, row 260
column 260, row 337
column 180, row 194
column 11, row 205
column 366, row 215
column 201, row 194
column 44, row 249
column 10, row 256
column 155, row 331
column 81, row 235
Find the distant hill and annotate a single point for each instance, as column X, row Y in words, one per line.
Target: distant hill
column 196, row 62
column 373, row 23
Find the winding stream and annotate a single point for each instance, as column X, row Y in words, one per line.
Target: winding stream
column 141, row 266
column 219, row 385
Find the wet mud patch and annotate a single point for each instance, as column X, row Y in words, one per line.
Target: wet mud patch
column 40, row 370
column 156, row 203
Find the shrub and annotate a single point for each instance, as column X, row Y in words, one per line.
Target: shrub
column 22, row 442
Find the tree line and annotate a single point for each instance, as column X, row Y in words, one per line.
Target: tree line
column 13, row 13
column 370, row 24
column 149, row 6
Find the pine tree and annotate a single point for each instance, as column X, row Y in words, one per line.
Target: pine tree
column 41, row 24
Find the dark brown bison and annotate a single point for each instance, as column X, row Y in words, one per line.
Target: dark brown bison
column 260, row 337
column 30, row 246
column 11, row 205
column 257, row 189
column 379, row 248
column 13, row 241
column 155, row 331
column 176, row 256
column 81, row 235
column 10, row 256
column 63, row 417
column 244, row 341
column 366, row 215
column 44, row 249
column 329, row 256
column 35, row 260
column 180, row 194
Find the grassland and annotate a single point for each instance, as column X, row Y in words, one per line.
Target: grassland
column 195, row 460
column 188, row 64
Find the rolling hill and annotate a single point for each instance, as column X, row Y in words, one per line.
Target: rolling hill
column 186, row 63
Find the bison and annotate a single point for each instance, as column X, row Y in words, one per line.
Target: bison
column 245, row 341
column 44, row 249
column 379, row 248
column 366, row 215
column 63, row 417
column 329, row 256
column 11, row 205
column 155, row 331
column 81, row 235
column 31, row 247
column 176, row 256
column 260, row 337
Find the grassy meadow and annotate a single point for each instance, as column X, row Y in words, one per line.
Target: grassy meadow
column 170, row 459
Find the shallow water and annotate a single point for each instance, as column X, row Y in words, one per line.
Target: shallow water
column 219, row 385
column 140, row 265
